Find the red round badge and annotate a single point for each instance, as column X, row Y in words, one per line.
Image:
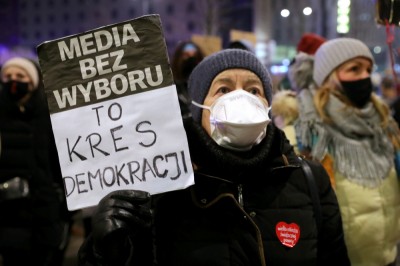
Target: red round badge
column 288, row 234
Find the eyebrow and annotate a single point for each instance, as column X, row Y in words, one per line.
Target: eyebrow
column 224, row 80
column 254, row 79
column 228, row 79
column 358, row 61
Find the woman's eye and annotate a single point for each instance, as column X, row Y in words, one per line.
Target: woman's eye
column 354, row 69
column 223, row 90
column 254, row 91
column 20, row 76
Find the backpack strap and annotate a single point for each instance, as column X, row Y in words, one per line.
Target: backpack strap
column 314, row 192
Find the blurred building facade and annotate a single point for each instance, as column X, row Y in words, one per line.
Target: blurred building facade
column 28, row 23
column 323, row 20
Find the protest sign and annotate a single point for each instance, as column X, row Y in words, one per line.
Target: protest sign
column 238, row 35
column 207, row 43
column 115, row 112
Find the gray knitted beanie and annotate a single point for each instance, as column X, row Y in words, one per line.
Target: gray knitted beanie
column 204, row 73
column 335, row 52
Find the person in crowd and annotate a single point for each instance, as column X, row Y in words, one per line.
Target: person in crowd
column 186, row 56
column 285, row 106
column 285, row 111
column 301, row 68
column 388, row 90
column 392, row 84
column 250, row 204
column 298, row 75
column 309, row 43
column 241, row 44
column 353, row 126
column 32, row 224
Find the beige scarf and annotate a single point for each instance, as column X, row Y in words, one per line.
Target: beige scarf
column 361, row 148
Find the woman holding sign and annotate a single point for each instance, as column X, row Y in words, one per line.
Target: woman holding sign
column 251, row 203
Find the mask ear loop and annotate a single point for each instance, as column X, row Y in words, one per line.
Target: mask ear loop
column 269, row 112
column 201, row 106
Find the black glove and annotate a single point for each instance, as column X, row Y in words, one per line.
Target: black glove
column 119, row 217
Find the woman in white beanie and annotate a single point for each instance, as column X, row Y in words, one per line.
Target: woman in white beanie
column 31, row 207
column 20, row 78
column 350, row 124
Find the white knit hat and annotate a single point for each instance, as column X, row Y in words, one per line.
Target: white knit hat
column 26, row 65
column 335, row 52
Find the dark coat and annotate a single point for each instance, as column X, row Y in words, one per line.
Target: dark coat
column 28, row 152
column 229, row 216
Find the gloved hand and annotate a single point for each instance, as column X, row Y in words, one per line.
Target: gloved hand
column 119, row 217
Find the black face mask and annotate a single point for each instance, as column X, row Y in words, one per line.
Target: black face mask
column 188, row 65
column 358, row 91
column 16, row 90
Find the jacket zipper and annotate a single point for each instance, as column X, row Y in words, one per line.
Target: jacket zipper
column 240, row 203
column 240, row 195
column 259, row 239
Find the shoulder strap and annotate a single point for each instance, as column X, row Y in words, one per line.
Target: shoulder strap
column 314, row 192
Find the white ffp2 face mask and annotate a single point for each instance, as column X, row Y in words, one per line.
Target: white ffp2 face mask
column 238, row 120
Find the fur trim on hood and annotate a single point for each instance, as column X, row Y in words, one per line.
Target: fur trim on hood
column 300, row 73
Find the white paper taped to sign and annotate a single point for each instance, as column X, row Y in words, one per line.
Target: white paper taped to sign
column 115, row 112
column 136, row 142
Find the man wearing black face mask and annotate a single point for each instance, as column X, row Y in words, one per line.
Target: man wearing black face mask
column 350, row 125
column 31, row 224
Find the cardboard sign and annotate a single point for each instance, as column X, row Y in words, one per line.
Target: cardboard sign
column 237, row 35
column 207, row 43
column 115, row 112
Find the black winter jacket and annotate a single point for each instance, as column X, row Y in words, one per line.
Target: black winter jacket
column 231, row 215
column 27, row 151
